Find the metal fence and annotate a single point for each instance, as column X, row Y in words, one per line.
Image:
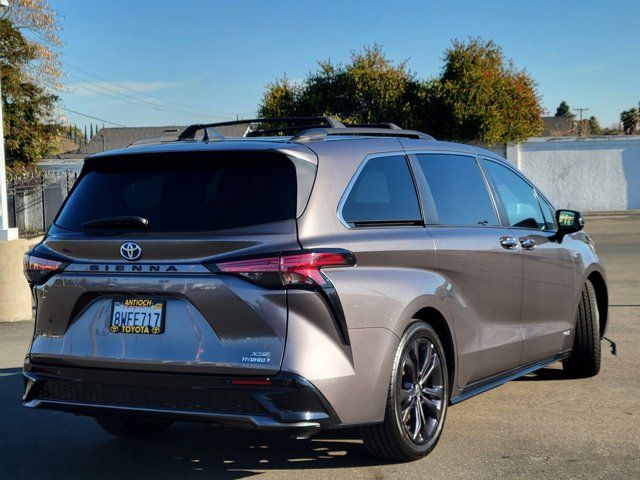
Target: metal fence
column 34, row 200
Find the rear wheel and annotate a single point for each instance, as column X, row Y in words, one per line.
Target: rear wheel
column 125, row 427
column 417, row 399
column 585, row 357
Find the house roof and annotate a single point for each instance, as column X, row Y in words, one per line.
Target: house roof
column 121, row 137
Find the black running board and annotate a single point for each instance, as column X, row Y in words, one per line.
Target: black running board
column 493, row 382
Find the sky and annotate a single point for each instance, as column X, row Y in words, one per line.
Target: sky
column 160, row 62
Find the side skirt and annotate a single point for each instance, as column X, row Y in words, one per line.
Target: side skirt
column 493, row 382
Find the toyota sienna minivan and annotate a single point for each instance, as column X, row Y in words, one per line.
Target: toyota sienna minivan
column 308, row 275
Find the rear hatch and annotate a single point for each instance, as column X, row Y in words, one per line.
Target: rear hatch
column 140, row 237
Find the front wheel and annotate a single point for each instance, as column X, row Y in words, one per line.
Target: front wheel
column 417, row 399
column 585, row 356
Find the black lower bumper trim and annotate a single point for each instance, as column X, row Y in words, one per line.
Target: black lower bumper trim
column 157, row 397
column 285, row 401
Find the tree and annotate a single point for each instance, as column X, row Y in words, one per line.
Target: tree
column 480, row 96
column 31, row 129
column 30, row 73
column 36, row 16
column 613, row 129
column 74, row 133
column 564, row 110
column 281, row 99
column 594, row 126
column 630, row 119
column 369, row 89
column 91, row 132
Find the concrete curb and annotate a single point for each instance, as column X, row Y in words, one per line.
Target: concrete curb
column 612, row 213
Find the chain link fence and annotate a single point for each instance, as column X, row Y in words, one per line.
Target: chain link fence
column 34, row 199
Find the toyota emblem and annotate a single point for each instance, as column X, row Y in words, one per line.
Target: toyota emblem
column 130, row 251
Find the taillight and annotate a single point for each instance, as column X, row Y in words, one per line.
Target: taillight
column 296, row 270
column 304, row 268
column 263, row 271
column 38, row 269
column 290, row 268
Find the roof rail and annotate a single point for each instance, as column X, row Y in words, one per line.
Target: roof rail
column 391, row 126
column 317, row 134
column 168, row 135
column 302, row 129
column 296, row 124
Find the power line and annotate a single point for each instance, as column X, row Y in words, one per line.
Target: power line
column 139, row 92
column 118, row 95
column 94, row 118
column 143, row 102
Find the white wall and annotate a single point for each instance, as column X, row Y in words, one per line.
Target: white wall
column 587, row 174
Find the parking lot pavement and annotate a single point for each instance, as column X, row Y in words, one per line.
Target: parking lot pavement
column 537, row 427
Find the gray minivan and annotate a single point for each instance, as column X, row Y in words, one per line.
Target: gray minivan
column 308, row 275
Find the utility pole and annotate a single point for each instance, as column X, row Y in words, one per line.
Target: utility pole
column 6, row 233
column 580, row 124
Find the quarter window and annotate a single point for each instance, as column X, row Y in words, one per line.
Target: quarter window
column 384, row 192
column 549, row 215
column 458, row 190
column 517, row 196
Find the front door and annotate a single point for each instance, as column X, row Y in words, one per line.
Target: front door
column 548, row 267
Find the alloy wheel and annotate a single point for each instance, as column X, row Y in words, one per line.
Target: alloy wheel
column 420, row 391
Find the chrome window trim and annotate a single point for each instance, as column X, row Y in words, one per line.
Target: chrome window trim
column 356, row 175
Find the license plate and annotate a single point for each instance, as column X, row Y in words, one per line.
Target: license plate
column 144, row 316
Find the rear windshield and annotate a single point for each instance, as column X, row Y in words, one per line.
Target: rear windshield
column 185, row 191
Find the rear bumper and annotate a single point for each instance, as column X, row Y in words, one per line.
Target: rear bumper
column 287, row 401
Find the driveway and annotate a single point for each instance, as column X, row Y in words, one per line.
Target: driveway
column 538, row 427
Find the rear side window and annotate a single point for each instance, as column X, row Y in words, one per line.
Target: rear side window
column 185, row 191
column 517, row 197
column 458, row 189
column 384, row 192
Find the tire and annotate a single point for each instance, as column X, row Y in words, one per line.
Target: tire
column 395, row 438
column 585, row 357
column 125, row 427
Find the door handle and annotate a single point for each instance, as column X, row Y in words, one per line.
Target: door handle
column 509, row 243
column 528, row 243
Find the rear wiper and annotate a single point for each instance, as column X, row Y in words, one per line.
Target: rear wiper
column 121, row 221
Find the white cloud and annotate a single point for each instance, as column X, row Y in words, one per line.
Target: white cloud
column 125, row 87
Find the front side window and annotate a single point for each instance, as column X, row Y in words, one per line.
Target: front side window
column 517, row 196
column 384, row 192
column 458, row 189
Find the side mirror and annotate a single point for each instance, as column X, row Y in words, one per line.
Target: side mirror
column 569, row 221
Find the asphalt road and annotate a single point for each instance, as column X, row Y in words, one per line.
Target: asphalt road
column 539, row 427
